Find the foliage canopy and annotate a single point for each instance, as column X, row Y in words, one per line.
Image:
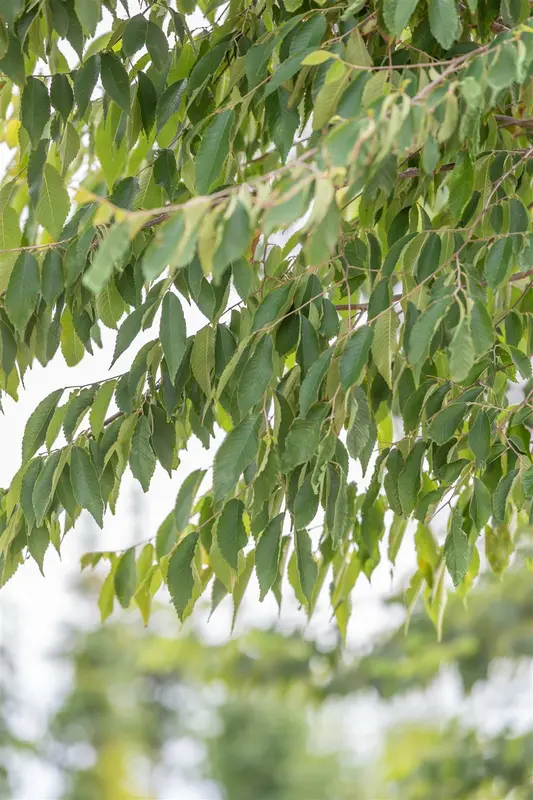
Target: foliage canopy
column 344, row 193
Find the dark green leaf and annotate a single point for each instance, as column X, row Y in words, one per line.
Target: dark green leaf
column 231, row 534
column 267, row 555
column 180, row 576
column 125, row 579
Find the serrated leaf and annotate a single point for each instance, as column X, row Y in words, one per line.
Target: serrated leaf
column 462, row 355
column 88, row 12
column 173, row 333
column 61, row 95
column 306, row 564
column 424, row 330
column 101, row 402
column 110, row 254
column 446, row 422
column 355, row 356
column 134, row 35
column 85, row 484
column 479, row 437
column 481, row 328
column 457, row 550
column 38, row 542
column 142, row 457
column 185, row 499
column 498, row 261
column 313, row 380
column 267, row 555
column 230, row 531
column 256, row 375
column 501, row 493
column 9, row 240
column 444, row 21
column 125, row 578
column 480, row 505
column 106, row 598
column 23, row 290
column 37, row 425
column 384, row 344
column 203, row 358
column 180, row 578
column 169, row 103
column 397, row 14
column 213, row 151
column 115, row 80
column 273, row 305
column 85, row 81
column 35, row 108
column 236, row 452
column 54, row 203
column 303, row 438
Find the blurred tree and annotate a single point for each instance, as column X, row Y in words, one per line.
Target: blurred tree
column 256, row 712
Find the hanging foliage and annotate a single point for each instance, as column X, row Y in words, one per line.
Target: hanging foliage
column 344, row 193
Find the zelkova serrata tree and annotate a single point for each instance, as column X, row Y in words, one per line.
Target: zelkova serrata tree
column 359, row 178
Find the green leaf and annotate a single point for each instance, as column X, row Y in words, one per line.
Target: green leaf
column 528, row 482
column 107, row 597
column 236, row 452
column 521, row 362
column 424, row 330
column 462, row 354
column 88, row 12
column 115, row 80
column 185, row 499
column 479, row 437
column 180, row 578
column 109, row 255
column 230, row 531
column 267, row 555
column 85, row 81
column 501, row 493
column 99, row 407
column 213, row 151
column 444, row 21
column 397, row 14
column 161, row 251
column 446, row 422
column 23, row 290
column 481, row 328
column 147, row 98
column 134, row 36
column 37, row 425
column 457, row 550
column 142, row 457
column 317, row 57
column 85, row 484
column 169, row 103
column 271, row 307
column 43, row 490
column 306, row 564
column 480, row 505
column 303, row 438
column 355, row 356
column 9, row 240
column 203, row 358
column 157, row 46
column 173, row 333
column 206, row 66
column 34, row 108
column 313, row 380
column 256, row 375
column 125, row 579
column 61, row 95
column 384, row 344
column 54, row 203
column 409, row 479
column 38, row 542
column 305, row 504
column 498, row 262
column 12, row 64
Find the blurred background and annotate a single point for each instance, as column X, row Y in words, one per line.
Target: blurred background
column 279, row 710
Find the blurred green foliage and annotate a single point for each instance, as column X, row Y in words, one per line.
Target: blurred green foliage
column 263, row 715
